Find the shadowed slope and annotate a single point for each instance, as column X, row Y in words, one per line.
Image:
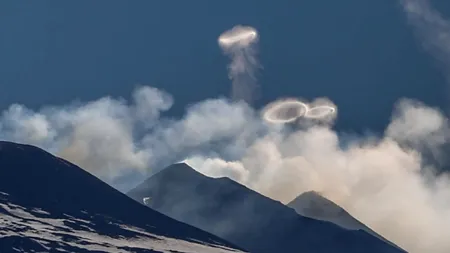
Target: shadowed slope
column 246, row 218
column 313, row 205
column 49, row 203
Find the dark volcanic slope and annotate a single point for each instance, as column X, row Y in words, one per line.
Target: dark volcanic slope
column 312, row 204
column 246, row 218
column 50, row 205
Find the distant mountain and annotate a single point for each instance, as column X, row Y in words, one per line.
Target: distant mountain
column 245, row 217
column 313, row 205
column 50, row 205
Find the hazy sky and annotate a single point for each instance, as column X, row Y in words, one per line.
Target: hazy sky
column 359, row 53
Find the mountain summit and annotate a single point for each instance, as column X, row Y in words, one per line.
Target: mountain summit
column 245, row 217
column 313, row 205
column 50, row 205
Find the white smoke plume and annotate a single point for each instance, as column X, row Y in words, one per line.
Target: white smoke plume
column 385, row 182
column 239, row 43
column 109, row 137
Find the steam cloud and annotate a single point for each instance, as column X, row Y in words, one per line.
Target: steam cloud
column 385, row 182
column 239, row 44
column 110, row 137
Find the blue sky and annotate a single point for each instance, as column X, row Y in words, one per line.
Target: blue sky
column 361, row 54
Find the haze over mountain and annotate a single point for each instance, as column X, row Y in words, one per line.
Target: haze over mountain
column 245, row 217
column 311, row 204
column 50, row 205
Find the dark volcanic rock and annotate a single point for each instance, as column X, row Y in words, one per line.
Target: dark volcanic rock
column 50, row 205
column 246, row 218
column 313, row 205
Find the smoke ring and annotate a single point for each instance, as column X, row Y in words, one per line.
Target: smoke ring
column 320, row 112
column 272, row 111
column 239, row 35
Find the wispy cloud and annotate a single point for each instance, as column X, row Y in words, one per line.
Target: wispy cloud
column 431, row 27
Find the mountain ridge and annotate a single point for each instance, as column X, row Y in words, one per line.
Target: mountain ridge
column 47, row 203
column 312, row 204
column 245, row 217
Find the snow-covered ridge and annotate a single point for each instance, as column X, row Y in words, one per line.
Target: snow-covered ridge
column 49, row 206
column 52, row 235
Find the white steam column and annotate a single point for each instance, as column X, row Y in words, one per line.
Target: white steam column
column 239, row 44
